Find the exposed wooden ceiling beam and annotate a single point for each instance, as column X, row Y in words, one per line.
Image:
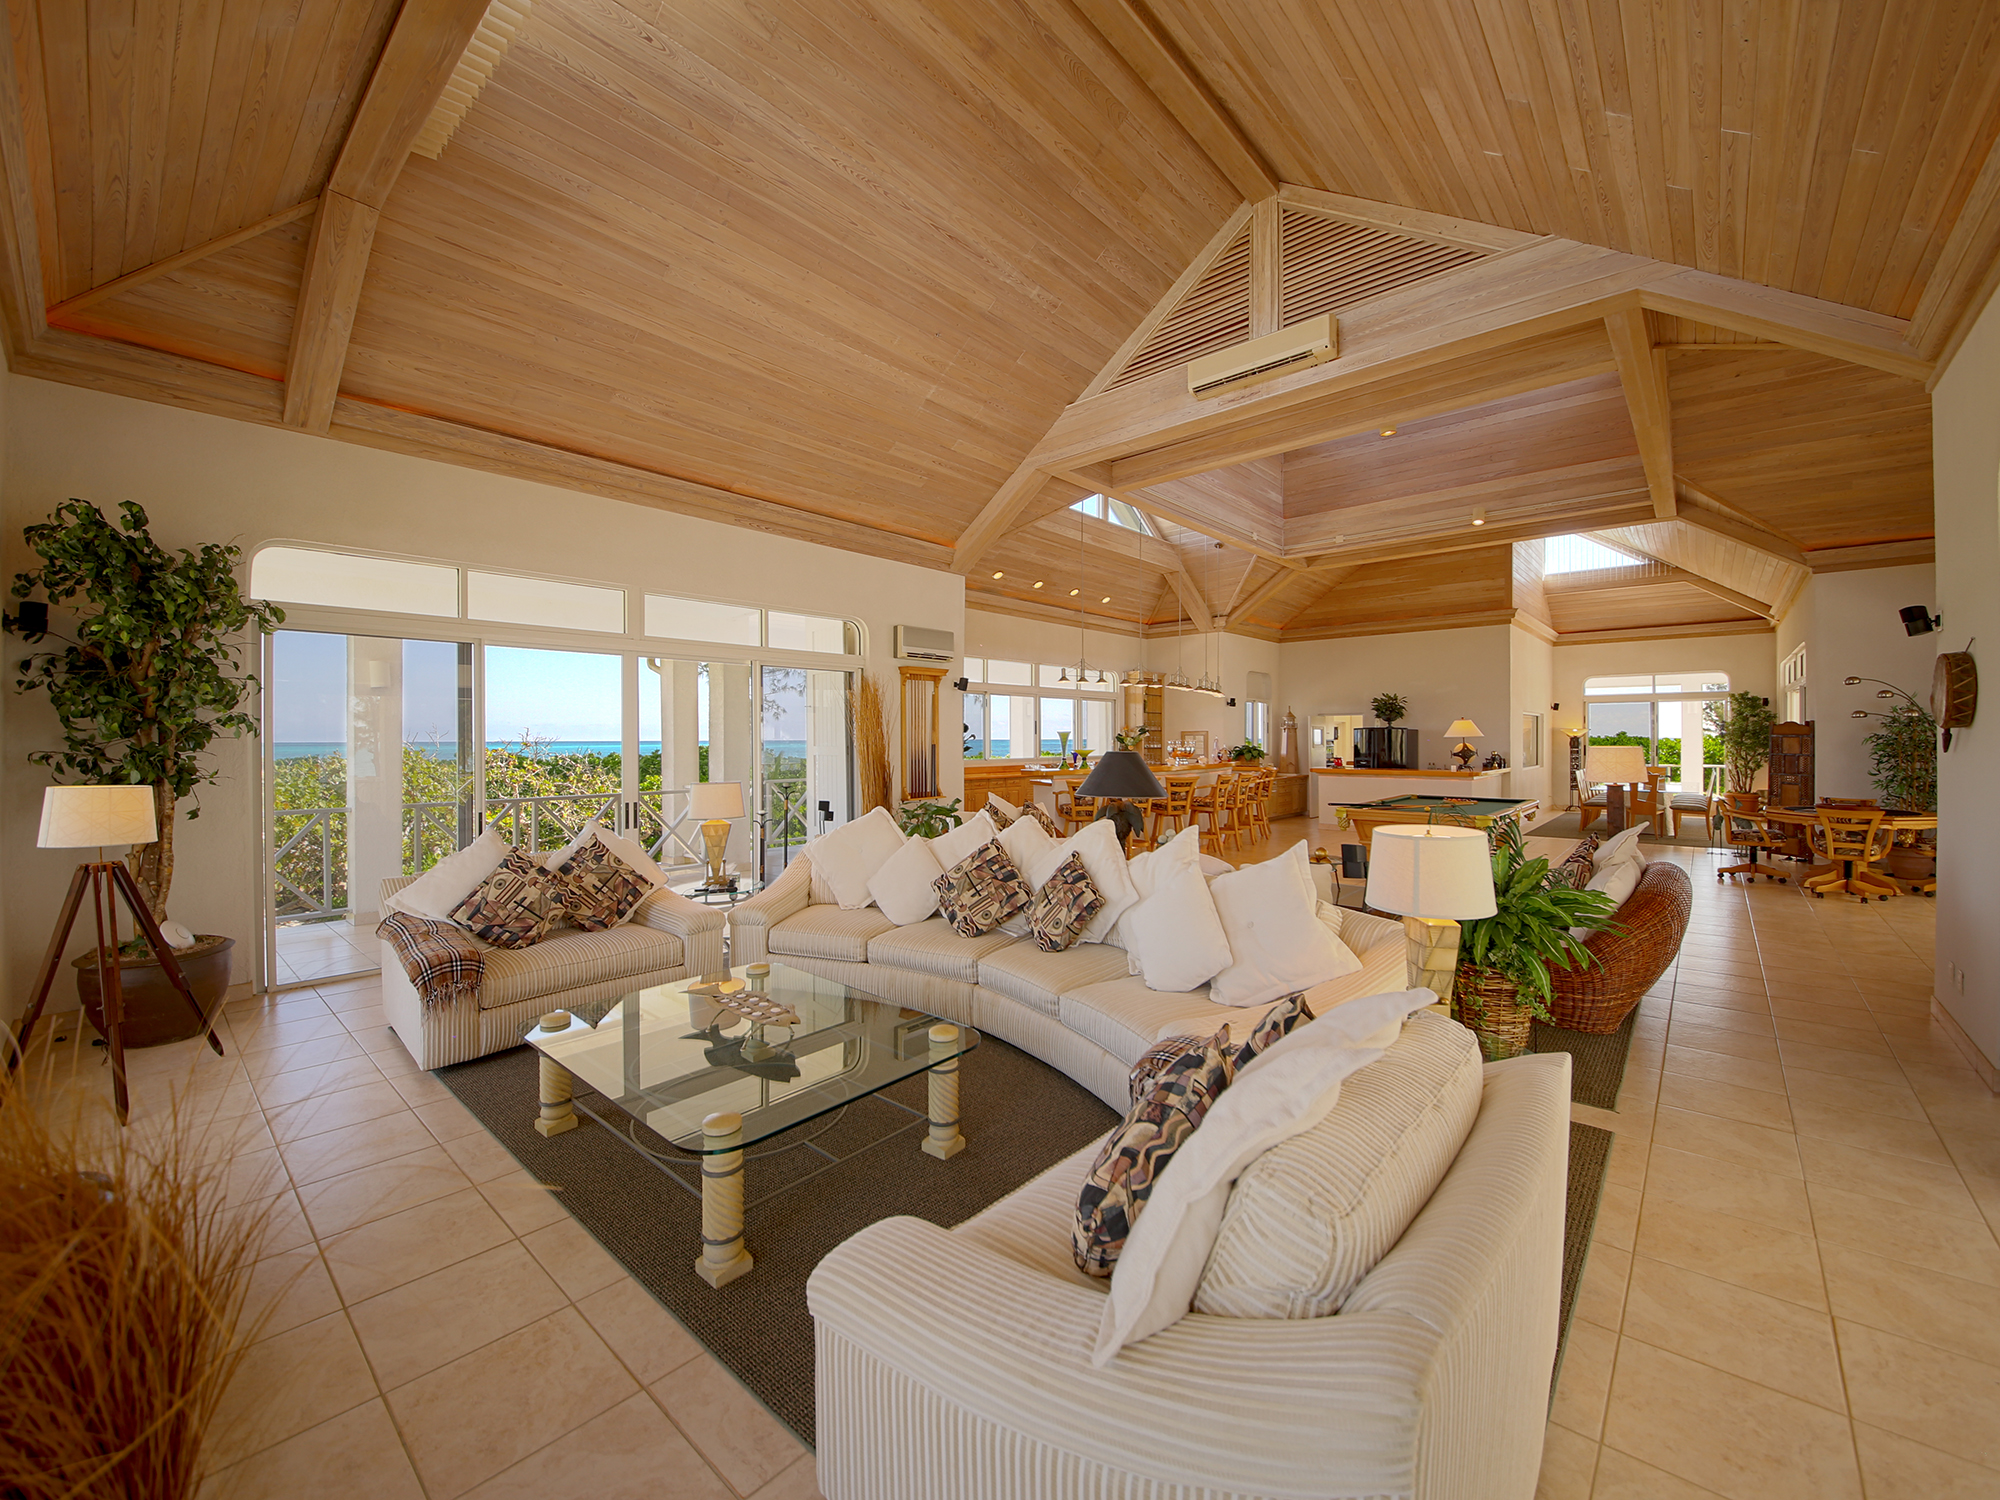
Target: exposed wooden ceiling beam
column 1663, row 632
column 1344, row 630
column 429, row 38
column 1165, row 512
column 1967, row 270
column 1872, row 555
column 1596, row 516
column 22, row 298
column 1248, row 605
column 1642, row 372
column 1810, row 323
column 1143, row 42
column 1736, row 531
column 998, row 515
column 1671, row 575
column 1469, row 234
column 187, row 257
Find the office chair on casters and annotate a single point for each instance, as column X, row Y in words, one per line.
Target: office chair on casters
column 1851, row 841
column 1744, row 827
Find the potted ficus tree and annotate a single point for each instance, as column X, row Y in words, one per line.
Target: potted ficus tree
column 1744, row 723
column 150, row 676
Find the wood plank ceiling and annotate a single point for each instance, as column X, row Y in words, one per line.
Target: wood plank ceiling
column 911, row 277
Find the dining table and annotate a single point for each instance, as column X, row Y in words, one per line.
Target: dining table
column 1800, row 819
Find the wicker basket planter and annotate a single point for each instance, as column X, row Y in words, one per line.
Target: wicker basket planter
column 1486, row 1003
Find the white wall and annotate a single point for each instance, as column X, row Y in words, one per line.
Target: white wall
column 1445, row 675
column 1531, row 682
column 1965, row 455
column 204, row 478
column 1855, row 633
column 1230, row 659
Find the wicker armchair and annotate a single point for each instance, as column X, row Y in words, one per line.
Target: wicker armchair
column 1630, row 957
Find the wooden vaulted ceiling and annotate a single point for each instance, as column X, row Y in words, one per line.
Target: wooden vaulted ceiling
column 909, row 278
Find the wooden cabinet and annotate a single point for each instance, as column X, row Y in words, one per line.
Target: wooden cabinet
column 984, row 780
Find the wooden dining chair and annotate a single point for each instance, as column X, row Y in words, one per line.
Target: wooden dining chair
column 1253, row 807
column 1218, row 813
column 1591, row 802
column 1850, row 841
column 1176, row 808
column 1744, row 827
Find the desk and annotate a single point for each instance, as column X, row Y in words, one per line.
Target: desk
column 1465, row 812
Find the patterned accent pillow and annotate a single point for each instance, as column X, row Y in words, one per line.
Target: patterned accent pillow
column 1121, row 1180
column 1576, row 867
column 516, row 906
column 1042, row 816
column 981, row 891
column 997, row 811
column 1164, row 1055
column 1279, row 1020
column 598, row 889
column 1064, row 905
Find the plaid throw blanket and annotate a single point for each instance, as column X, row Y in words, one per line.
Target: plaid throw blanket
column 440, row 959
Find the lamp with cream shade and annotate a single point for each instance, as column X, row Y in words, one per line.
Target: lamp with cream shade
column 1616, row 767
column 94, row 817
column 1433, row 878
column 715, row 802
column 1466, row 730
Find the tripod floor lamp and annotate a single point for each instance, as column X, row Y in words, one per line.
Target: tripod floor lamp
column 83, row 817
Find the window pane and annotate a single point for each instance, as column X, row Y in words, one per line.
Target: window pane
column 298, row 575
column 1580, row 554
column 1095, row 714
column 975, row 726
column 1052, row 677
column 1012, row 734
column 1007, row 673
column 698, row 620
column 805, row 633
column 975, row 669
column 1058, row 717
column 515, row 600
column 1596, row 686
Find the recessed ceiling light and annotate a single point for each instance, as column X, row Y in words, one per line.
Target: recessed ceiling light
column 1039, row 582
column 1074, row 592
column 1479, row 518
column 999, row 575
column 1388, row 432
column 1105, row 600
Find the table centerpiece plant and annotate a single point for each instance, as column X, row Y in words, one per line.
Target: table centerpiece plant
column 150, row 678
column 1503, row 983
column 1249, row 753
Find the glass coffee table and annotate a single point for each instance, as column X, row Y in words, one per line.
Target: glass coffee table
column 713, row 1081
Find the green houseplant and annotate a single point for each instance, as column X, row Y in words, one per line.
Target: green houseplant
column 1744, row 723
column 1504, row 960
column 149, row 679
column 1247, row 753
column 1389, row 707
column 926, row 820
column 1902, row 758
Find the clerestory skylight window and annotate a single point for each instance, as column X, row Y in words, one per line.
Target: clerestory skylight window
column 1117, row 512
column 1579, row 554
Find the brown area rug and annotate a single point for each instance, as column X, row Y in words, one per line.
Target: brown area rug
column 1020, row 1118
column 1569, row 825
column 1597, row 1063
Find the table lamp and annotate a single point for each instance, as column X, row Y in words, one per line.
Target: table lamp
column 1433, row 878
column 716, row 802
column 1465, row 729
column 1617, row 766
column 86, row 817
column 1122, row 777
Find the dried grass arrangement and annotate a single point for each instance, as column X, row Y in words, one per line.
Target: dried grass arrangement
column 871, row 744
column 122, row 1286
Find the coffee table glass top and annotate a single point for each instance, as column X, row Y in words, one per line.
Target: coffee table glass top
column 670, row 1058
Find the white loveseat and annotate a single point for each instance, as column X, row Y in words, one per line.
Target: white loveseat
column 667, row 937
column 955, row 1364
column 1078, row 1010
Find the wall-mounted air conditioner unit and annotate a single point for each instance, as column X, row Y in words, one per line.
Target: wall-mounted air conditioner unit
column 920, row 643
column 1299, row 347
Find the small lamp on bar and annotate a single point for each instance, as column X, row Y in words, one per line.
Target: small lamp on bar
column 1617, row 767
column 715, row 802
column 1433, row 878
column 93, row 817
column 1122, row 777
column 1465, row 729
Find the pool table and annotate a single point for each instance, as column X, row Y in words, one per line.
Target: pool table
column 1472, row 812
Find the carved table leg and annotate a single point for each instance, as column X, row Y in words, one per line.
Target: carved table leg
column 723, row 1257
column 558, row 1114
column 944, row 1141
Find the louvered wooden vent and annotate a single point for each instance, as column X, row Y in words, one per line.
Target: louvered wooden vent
column 1214, row 314
column 1325, row 265
column 489, row 44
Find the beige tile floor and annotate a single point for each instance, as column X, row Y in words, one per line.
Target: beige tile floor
column 311, row 952
column 1794, row 1287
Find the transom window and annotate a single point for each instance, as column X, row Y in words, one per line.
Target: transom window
column 1117, row 512
column 1580, row 554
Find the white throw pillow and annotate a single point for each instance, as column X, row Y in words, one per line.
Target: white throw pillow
column 1104, row 860
column 1148, row 870
column 1618, row 881
column 1270, row 915
column 1027, row 843
column 1279, row 1093
column 439, row 889
column 952, row 846
column 1176, row 933
column 1622, row 845
column 845, row 860
column 628, row 850
column 903, row 886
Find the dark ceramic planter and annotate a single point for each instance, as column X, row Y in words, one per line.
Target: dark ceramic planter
column 155, row 1013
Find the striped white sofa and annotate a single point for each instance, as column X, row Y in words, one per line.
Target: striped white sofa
column 1078, row 1011
column 955, row 1364
column 668, row 937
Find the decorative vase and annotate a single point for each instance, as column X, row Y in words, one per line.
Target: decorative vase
column 155, row 1014
column 1487, row 1003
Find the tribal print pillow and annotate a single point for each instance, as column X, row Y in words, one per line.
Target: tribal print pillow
column 1064, row 905
column 1576, row 867
column 1162, row 1056
column 1041, row 815
column 1121, row 1180
column 516, row 906
column 598, row 889
column 1279, row 1020
column 981, row 891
